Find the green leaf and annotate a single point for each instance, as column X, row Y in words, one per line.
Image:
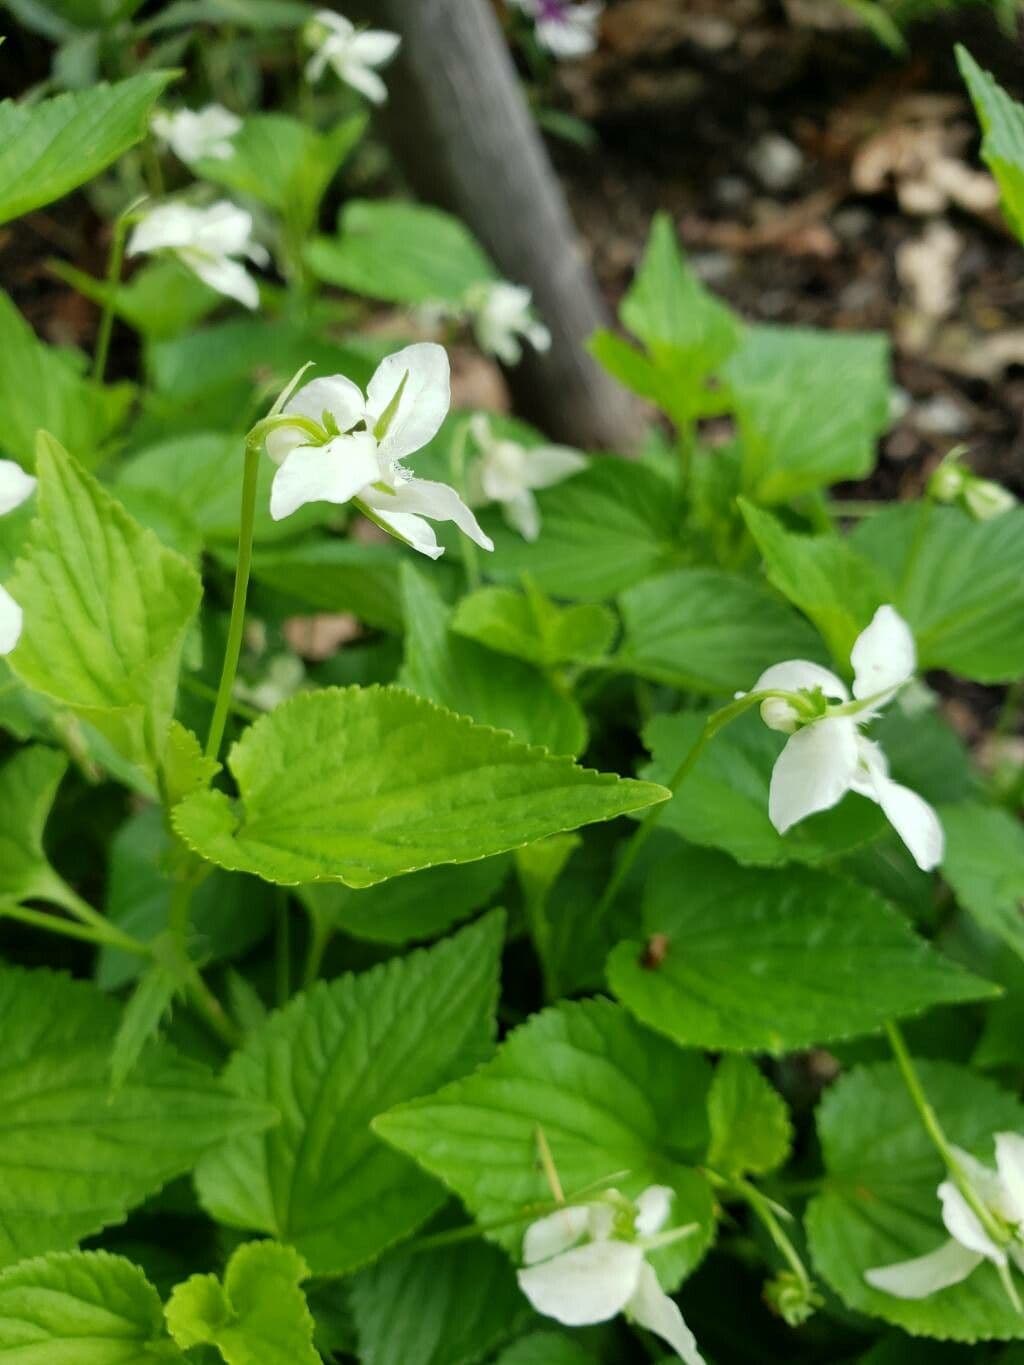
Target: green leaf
column 259, row 1315
column 74, row 1155
column 43, row 389
column 958, row 582
column 143, row 1013
column 771, row 961
column 528, row 625
column 361, row 784
column 614, row 1102
column 28, row 784
column 686, row 331
column 709, row 631
column 161, row 299
column 643, row 376
column 750, row 1127
column 604, row 529
column 403, row 253
column 723, row 800
column 879, row 1202
column 334, row 575
column 984, row 864
column 419, row 906
column 82, row 1308
column 229, row 913
column 545, row 1348
column 285, row 164
column 106, row 610
column 467, row 678
column 1002, row 147
column 186, row 767
column 332, row 1060
column 451, row 1307
column 249, row 15
column 46, row 149
column 825, row 576
column 793, row 445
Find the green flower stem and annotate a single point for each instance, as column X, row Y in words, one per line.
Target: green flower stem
column 206, row 1004
column 103, row 935
column 762, row 1209
column 236, row 625
column 282, row 947
column 106, row 327
column 717, row 721
column 470, row 553
column 942, row 1144
column 320, row 936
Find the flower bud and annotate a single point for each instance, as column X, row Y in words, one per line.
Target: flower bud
column 985, row 499
column 794, row 1300
column 779, row 714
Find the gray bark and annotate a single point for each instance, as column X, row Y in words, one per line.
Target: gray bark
column 463, row 133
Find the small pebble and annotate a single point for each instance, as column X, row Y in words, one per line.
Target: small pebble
column 776, row 161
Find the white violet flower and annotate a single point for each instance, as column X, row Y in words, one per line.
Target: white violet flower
column 197, row 134
column 982, row 498
column 507, row 473
column 352, row 53
column 827, row 755
column 362, row 442
column 206, row 241
column 1002, row 1193
column 587, row 1262
column 16, row 487
column 565, row 29
column 500, row 313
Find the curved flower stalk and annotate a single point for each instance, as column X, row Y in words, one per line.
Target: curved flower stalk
column 347, row 447
column 586, row 1263
column 565, row 29
column 206, row 241
column 352, row 54
column 507, row 473
column 827, row 756
column 1002, row 1194
column 16, row 487
column 197, row 134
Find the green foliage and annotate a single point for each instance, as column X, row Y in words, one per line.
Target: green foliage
column 528, row 625
column 984, row 864
column 28, row 784
column 1002, row 123
column 321, row 1180
column 106, row 610
column 86, row 1307
column 49, row 148
column 747, row 952
column 359, row 754
column 879, row 1205
column 751, row 1131
column 258, row 1316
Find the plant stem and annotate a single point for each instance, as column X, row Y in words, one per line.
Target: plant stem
column 714, row 723
column 106, row 327
column 104, row 936
column 763, row 1211
column 236, row 625
column 200, row 689
column 209, row 1007
column 282, row 947
column 319, row 937
column 470, row 555
column 935, row 1131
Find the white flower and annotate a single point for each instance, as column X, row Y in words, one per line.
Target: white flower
column 982, row 498
column 566, row 30
column 500, row 313
column 362, row 444
column 197, row 134
column 827, row 756
column 1002, row 1193
column 352, row 53
column 507, row 473
column 15, row 488
column 587, row 1262
column 205, row 240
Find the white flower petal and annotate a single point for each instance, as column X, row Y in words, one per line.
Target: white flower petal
column 337, row 23
column 374, row 46
column 330, row 393
column 224, row 229
column 1010, row 1161
column 883, row 657
column 425, row 498
column 987, row 1182
column 962, row 1223
column 588, row 1284
column 225, row 276
column 554, row 1234
column 16, row 486
column 814, row 771
column 910, row 815
column 335, row 473
column 652, row 1308
column 361, row 78
column 423, row 406
column 548, row 465
column 564, row 38
column 414, row 531
column 164, row 227
column 800, row 675
column 10, row 621
column 522, row 514
column 924, row 1275
column 653, row 1207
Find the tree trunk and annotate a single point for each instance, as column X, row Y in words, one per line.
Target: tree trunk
column 464, row 135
